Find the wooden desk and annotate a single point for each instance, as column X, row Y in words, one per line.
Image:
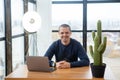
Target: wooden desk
column 22, row 73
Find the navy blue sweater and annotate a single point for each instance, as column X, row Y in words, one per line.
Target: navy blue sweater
column 73, row 53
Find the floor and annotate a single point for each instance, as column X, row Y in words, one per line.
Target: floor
column 114, row 64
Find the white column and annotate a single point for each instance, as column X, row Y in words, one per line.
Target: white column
column 44, row 34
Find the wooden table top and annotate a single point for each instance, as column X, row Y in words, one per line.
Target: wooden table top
column 78, row 73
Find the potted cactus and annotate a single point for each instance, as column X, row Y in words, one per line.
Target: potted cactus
column 96, row 51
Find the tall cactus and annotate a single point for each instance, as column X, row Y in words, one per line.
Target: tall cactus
column 99, row 45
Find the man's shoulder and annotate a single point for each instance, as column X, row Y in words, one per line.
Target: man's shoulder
column 56, row 42
column 74, row 41
column 76, row 44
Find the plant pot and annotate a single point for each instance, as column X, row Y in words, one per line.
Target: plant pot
column 98, row 71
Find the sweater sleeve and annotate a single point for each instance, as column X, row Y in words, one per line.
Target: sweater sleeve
column 50, row 53
column 83, row 58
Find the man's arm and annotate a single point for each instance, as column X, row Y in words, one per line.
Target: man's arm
column 50, row 53
column 82, row 55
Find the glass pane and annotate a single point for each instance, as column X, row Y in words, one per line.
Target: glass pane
column 108, row 13
column 67, row 0
column 75, row 35
column 113, row 44
column 31, row 6
column 2, row 60
column 17, row 51
column 33, row 51
column 2, row 43
column 17, row 14
column 2, row 28
column 103, row 0
column 67, row 13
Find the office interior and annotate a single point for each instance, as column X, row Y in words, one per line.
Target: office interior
column 81, row 15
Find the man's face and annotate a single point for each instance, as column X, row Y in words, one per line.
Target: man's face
column 65, row 33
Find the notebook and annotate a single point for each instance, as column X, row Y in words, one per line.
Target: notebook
column 38, row 63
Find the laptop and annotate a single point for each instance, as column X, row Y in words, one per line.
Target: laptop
column 38, row 63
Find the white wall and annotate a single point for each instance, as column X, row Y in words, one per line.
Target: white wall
column 44, row 34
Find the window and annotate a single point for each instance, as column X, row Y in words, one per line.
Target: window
column 2, row 41
column 108, row 13
column 67, row 0
column 17, row 29
column 67, row 13
column 17, row 14
column 2, row 28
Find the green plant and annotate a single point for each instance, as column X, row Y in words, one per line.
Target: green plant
column 99, row 45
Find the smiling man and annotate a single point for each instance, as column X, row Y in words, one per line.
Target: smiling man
column 68, row 52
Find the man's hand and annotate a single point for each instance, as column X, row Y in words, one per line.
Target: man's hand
column 62, row 65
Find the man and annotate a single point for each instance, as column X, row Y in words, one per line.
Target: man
column 67, row 50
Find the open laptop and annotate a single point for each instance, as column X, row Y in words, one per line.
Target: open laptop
column 38, row 63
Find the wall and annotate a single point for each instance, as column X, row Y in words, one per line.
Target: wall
column 44, row 34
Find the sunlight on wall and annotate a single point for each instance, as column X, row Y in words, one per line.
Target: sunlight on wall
column 44, row 34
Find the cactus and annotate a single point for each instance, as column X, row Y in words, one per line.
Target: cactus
column 99, row 46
